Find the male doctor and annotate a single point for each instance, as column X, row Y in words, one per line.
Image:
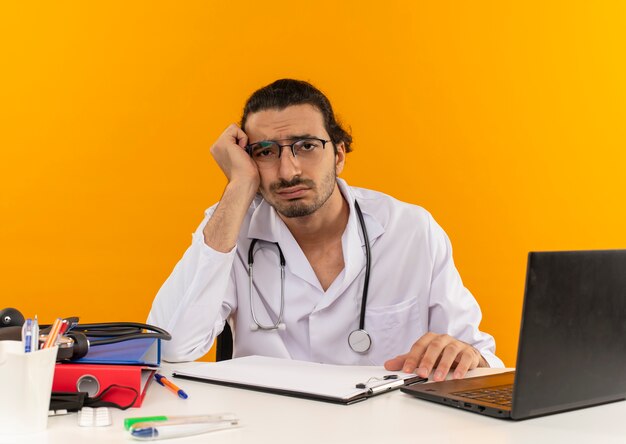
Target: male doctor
column 405, row 307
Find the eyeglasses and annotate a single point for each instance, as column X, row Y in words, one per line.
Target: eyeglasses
column 267, row 152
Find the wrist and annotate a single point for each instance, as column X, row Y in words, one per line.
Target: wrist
column 222, row 229
column 245, row 187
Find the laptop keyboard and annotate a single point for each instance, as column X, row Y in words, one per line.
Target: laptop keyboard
column 501, row 395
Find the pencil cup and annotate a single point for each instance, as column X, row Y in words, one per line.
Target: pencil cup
column 25, row 385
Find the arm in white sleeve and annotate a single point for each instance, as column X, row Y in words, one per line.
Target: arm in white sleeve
column 453, row 310
column 196, row 299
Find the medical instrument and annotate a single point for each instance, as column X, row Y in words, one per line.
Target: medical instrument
column 359, row 339
column 129, row 422
column 278, row 325
column 182, row 426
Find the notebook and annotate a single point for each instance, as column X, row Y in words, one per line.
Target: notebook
column 342, row 384
column 572, row 344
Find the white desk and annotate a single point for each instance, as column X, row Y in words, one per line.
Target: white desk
column 390, row 418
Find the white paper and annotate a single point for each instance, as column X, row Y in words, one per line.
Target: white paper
column 334, row 381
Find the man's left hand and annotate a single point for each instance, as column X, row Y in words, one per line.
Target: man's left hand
column 441, row 351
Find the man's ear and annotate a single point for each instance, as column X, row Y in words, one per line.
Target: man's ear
column 340, row 157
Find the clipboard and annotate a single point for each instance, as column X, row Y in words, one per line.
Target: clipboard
column 340, row 384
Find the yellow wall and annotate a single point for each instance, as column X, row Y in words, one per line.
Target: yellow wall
column 506, row 120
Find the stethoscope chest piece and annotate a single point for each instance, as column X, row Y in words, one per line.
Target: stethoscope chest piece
column 360, row 341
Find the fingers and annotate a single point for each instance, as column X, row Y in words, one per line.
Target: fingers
column 229, row 154
column 241, row 138
column 396, row 363
column 232, row 135
column 459, row 355
column 408, row 362
column 436, row 346
column 467, row 362
column 438, row 352
column 448, row 356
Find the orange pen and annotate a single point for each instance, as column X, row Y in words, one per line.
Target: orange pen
column 170, row 385
column 51, row 340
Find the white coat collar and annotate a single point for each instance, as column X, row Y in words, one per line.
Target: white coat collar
column 372, row 224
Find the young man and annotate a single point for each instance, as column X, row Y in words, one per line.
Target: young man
column 367, row 279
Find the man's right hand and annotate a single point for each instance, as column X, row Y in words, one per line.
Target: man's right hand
column 230, row 154
column 221, row 231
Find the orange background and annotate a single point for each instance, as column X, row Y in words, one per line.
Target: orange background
column 506, row 120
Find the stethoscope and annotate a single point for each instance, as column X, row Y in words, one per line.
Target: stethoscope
column 359, row 339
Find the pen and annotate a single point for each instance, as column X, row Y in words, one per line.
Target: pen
column 54, row 332
column 27, row 335
column 34, row 345
column 152, row 431
column 64, row 327
column 386, row 386
column 170, row 385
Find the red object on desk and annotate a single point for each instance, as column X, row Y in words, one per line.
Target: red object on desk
column 95, row 378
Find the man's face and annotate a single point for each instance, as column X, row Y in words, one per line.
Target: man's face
column 293, row 186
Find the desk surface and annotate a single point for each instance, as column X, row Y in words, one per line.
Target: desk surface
column 392, row 417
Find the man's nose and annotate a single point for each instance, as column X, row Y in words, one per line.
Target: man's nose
column 289, row 165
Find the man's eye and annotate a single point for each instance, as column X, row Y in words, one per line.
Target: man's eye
column 308, row 145
column 263, row 152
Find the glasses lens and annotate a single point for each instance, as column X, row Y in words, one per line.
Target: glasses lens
column 264, row 152
column 267, row 152
column 307, row 145
column 308, row 149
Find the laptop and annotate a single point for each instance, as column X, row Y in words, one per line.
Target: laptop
column 572, row 344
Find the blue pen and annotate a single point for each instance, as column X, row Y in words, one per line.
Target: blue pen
column 27, row 335
column 170, row 385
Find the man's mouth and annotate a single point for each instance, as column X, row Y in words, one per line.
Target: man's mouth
column 292, row 192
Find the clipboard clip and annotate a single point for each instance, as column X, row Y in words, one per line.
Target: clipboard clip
column 377, row 385
column 379, row 388
column 374, row 380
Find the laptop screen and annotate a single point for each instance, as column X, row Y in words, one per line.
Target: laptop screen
column 572, row 349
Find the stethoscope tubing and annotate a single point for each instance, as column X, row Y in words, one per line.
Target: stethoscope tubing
column 114, row 332
column 279, row 322
column 368, row 261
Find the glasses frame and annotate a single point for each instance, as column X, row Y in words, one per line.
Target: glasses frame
column 248, row 147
